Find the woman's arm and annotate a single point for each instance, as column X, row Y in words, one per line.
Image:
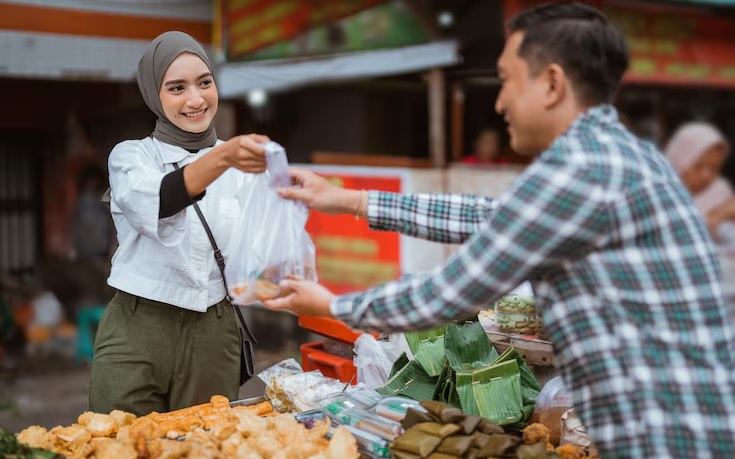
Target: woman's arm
column 244, row 152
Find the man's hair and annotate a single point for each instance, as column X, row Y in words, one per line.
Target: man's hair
column 591, row 50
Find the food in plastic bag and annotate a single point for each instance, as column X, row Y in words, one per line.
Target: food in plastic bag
column 552, row 402
column 574, row 433
column 374, row 360
column 269, row 242
column 290, row 389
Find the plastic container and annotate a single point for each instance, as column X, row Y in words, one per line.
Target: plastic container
column 363, row 420
column 394, row 408
column 516, row 314
column 367, row 398
column 371, row 445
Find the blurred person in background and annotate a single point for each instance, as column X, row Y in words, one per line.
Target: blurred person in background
column 93, row 231
column 698, row 150
column 169, row 338
column 487, row 149
column 621, row 262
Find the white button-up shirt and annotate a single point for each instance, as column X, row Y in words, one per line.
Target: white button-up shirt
column 168, row 259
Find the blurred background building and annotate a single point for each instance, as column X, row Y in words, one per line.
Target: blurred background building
column 387, row 94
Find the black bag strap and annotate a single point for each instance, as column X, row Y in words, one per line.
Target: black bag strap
column 221, row 264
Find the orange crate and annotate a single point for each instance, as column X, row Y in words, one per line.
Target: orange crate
column 314, row 358
column 330, row 328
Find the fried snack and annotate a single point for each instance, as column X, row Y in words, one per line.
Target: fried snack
column 219, row 402
column 114, row 449
column 342, row 444
column 38, row 437
column 266, row 290
column 535, row 433
column 170, row 449
column 231, row 444
column 189, row 423
column 145, row 428
column 265, row 443
column 224, row 430
column 570, row 451
column 102, row 425
column 72, row 438
column 122, row 418
column 249, row 424
column 260, row 409
column 84, row 418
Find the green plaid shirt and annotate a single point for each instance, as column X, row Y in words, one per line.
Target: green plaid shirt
column 624, row 275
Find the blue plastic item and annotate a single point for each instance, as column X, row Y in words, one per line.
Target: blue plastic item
column 87, row 320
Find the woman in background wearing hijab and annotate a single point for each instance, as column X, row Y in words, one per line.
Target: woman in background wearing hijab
column 698, row 151
column 169, row 338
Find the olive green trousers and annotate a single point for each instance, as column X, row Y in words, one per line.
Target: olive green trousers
column 151, row 356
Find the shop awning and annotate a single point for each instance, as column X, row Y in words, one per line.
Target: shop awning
column 237, row 79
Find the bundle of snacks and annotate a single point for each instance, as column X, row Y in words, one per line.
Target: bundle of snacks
column 445, row 432
column 231, row 432
column 516, row 314
column 289, row 389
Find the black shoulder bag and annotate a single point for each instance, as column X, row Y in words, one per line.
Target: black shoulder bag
column 247, row 356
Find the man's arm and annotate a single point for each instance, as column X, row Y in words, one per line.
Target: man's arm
column 553, row 212
column 448, row 218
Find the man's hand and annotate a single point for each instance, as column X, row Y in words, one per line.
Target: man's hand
column 318, row 194
column 303, row 298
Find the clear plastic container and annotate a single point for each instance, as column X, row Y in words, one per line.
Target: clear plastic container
column 394, row 408
column 516, row 314
column 363, row 420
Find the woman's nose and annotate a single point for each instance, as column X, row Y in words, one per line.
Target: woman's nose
column 195, row 99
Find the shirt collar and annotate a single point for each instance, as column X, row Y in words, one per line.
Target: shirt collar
column 594, row 117
column 171, row 154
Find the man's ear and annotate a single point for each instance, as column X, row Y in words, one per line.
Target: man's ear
column 557, row 85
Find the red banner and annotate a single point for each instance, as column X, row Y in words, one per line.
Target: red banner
column 668, row 44
column 349, row 256
column 250, row 25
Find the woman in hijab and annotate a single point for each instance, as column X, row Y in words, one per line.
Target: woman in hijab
column 698, row 151
column 169, row 337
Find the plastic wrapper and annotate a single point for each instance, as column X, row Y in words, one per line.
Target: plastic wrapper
column 269, row 242
column 289, row 389
column 374, row 360
column 574, row 433
column 516, row 314
column 552, row 402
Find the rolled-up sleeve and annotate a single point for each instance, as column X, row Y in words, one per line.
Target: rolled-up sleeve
column 135, row 183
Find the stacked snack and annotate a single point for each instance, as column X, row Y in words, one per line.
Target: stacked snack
column 516, row 314
column 445, row 432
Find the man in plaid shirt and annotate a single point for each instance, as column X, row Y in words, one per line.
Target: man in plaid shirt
column 620, row 260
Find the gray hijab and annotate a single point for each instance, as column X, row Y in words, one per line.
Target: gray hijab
column 159, row 55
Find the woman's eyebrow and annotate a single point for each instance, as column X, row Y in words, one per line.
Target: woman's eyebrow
column 170, row 82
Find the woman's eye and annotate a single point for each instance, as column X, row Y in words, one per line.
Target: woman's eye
column 176, row 88
column 206, row 82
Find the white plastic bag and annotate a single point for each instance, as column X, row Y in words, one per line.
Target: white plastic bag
column 374, row 360
column 269, row 242
column 552, row 402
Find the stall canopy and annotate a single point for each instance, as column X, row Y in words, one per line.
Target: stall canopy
column 275, row 45
column 677, row 44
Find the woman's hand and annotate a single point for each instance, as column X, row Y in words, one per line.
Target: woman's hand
column 303, row 298
column 245, row 152
column 317, row 193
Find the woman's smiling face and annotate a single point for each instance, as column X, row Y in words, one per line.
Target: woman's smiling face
column 188, row 93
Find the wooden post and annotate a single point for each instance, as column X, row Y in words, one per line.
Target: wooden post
column 437, row 118
column 457, row 121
